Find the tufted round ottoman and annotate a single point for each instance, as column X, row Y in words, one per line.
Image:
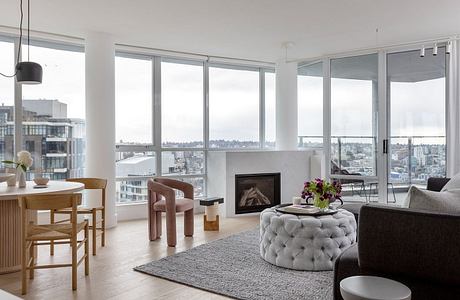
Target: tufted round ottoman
column 305, row 242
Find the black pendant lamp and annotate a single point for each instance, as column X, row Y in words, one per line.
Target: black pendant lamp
column 28, row 72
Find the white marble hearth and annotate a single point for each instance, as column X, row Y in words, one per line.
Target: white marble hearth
column 294, row 166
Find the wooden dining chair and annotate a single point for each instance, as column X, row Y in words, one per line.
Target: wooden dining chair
column 90, row 184
column 34, row 235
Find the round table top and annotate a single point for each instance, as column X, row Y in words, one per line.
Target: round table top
column 53, row 187
column 374, row 288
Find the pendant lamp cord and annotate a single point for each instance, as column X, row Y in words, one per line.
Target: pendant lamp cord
column 20, row 41
column 28, row 30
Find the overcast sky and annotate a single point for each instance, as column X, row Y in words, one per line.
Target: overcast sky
column 416, row 108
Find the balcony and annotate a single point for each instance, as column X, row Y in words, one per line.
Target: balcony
column 411, row 160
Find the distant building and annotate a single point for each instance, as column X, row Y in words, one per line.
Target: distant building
column 133, row 165
column 56, row 142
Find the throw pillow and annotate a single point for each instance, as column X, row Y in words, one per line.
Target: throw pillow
column 452, row 184
column 447, row 202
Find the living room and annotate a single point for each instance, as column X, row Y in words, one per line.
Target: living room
column 229, row 149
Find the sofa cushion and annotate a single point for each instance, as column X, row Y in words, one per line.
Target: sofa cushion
column 453, row 184
column 448, row 202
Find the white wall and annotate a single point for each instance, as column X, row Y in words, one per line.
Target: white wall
column 286, row 105
column 294, row 167
column 100, row 115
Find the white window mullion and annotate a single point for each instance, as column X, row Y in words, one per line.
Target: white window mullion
column 262, row 108
column 17, row 105
column 382, row 129
column 327, row 116
column 157, row 112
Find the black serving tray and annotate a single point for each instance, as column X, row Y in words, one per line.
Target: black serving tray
column 280, row 209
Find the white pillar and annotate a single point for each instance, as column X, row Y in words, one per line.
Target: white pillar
column 286, row 105
column 100, row 115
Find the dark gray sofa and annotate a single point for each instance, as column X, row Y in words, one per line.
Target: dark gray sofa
column 417, row 248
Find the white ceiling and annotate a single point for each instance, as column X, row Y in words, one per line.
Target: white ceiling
column 249, row 29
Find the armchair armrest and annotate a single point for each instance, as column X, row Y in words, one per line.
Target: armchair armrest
column 436, row 184
column 168, row 193
column 346, row 265
column 410, row 243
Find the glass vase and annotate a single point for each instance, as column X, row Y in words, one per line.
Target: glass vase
column 21, row 177
column 321, row 204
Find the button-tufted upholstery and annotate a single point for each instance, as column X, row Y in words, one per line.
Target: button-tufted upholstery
column 305, row 242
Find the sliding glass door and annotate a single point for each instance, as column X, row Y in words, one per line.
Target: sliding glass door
column 353, row 137
column 416, row 92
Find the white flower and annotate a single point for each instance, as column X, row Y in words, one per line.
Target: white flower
column 25, row 158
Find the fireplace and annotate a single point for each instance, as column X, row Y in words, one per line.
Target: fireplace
column 255, row 192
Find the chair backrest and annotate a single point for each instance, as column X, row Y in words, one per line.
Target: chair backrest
column 49, row 202
column 185, row 187
column 92, row 184
column 155, row 189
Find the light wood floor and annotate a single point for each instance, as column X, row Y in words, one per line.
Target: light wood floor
column 111, row 274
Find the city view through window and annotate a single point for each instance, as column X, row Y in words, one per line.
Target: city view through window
column 417, row 130
column 53, row 113
column 53, row 116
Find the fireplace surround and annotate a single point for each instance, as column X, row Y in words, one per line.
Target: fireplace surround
column 255, row 192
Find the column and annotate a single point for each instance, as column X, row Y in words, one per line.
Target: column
column 286, row 105
column 100, row 115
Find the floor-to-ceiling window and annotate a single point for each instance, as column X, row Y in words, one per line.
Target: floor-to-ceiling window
column 310, row 105
column 170, row 112
column 353, row 119
column 54, row 111
column 233, row 107
column 353, row 114
column 6, row 99
column 135, row 156
column 182, row 122
column 417, row 101
column 391, row 134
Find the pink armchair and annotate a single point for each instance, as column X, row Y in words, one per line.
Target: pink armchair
column 162, row 198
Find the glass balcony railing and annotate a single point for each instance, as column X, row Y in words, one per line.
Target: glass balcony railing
column 411, row 159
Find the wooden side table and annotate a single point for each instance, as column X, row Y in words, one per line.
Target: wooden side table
column 211, row 213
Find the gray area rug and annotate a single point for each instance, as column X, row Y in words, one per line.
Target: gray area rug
column 233, row 267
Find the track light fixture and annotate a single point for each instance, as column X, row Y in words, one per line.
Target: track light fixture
column 449, row 47
column 435, row 49
column 422, row 51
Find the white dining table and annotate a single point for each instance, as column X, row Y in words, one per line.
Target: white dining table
column 10, row 218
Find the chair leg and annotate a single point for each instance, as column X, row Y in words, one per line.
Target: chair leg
column 393, row 190
column 188, row 222
column 73, row 242
column 52, row 242
column 171, row 228
column 24, row 268
column 153, row 225
column 94, row 225
column 32, row 260
column 103, row 228
column 86, row 250
column 159, row 224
